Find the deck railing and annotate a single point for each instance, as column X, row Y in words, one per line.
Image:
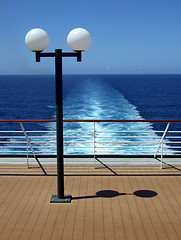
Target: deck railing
column 99, row 137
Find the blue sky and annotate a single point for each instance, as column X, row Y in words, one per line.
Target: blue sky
column 128, row 37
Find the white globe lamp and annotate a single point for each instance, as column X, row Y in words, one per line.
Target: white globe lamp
column 37, row 40
column 79, row 39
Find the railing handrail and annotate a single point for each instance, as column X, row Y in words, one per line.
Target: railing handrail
column 121, row 141
column 92, row 120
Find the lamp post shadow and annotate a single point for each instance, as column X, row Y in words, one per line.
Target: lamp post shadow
column 112, row 193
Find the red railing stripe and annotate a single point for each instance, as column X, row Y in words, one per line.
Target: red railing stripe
column 18, row 121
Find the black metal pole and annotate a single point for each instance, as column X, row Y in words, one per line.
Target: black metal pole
column 60, row 197
column 59, row 122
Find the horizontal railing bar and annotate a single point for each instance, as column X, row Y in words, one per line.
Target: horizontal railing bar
column 23, row 121
column 174, row 152
column 124, row 147
column 174, row 132
column 129, row 137
column 43, row 141
column 3, row 142
column 142, row 120
column 90, row 131
column 171, row 147
column 28, row 131
column 116, row 152
column 41, row 131
column 44, row 152
column 78, row 131
column 38, row 137
column 83, row 142
column 14, row 151
column 77, row 137
column 51, row 147
column 129, row 131
column 43, row 147
column 77, row 147
column 173, row 137
column 15, row 147
column 127, row 142
column 120, row 146
column 91, row 143
column 79, row 151
column 77, row 142
column 12, row 137
column 11, row 131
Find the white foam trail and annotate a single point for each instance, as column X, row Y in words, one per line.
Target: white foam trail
column 99, row 100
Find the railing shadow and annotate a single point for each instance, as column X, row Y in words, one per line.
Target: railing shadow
column 16, row 171
column 28, row 175
column 168, row 165
column 106, row 166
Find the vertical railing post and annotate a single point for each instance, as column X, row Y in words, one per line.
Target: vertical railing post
column 27, row 154
column 94, row 145
column 162, row 138
column 29, row 144
column 161, row 156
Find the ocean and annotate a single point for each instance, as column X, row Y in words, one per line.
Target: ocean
column 108, row 97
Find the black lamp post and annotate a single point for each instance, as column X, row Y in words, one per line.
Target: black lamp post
column 78, row 40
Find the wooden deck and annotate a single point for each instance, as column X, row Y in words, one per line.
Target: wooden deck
column 107, row 203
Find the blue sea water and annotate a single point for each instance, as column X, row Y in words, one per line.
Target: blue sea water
column 92, row 96
column 131, row 97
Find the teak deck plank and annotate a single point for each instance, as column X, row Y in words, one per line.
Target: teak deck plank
column 104, row 204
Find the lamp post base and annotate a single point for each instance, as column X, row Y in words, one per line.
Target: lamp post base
column 56, row 199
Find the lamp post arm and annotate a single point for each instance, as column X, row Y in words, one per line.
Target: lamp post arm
column 77, row 54
column 42, row 54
